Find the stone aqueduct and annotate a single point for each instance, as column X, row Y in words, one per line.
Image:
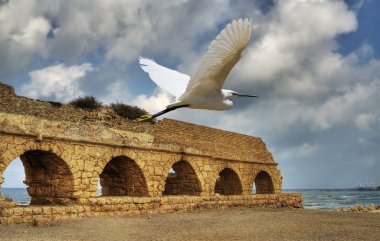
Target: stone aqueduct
column 143, row 168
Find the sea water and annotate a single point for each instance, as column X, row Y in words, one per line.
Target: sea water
column 19, row 195
column 312, row 198
column 336, row 198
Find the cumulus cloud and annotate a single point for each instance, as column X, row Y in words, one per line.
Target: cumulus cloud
column 107, row 30
column 364, row 120
column 154, row 103
column 339, row 109
column 302, row 151
column 298, row 39
column 22, row 36
column 296, row 67
column 57, row 82
column 122, row 30
column 33, row 35
column 117, row 91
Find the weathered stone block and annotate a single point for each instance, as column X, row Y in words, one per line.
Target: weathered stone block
column 8, row 212
column 43, row 222
column 46, row 210
column 37, row 211
column 18, row 219
column 18, row 211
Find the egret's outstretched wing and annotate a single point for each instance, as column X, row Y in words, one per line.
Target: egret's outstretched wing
column 223, row 53
column 170, row 80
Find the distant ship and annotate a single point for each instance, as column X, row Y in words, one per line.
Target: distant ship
column 367, row 187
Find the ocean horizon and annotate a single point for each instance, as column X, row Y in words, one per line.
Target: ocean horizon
column 328, row 199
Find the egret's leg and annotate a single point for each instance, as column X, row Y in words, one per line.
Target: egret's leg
column 150, row 117
column 143, row 118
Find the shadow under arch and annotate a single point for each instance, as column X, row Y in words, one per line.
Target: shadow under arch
column 183, row 181
column 48, row 177
column 228, row 183
column 123, row 177
column 263, row 183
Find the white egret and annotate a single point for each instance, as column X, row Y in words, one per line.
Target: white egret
column 203, row 90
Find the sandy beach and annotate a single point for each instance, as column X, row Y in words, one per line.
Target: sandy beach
column 229, row 224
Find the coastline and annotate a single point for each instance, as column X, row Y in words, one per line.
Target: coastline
column 216, row 224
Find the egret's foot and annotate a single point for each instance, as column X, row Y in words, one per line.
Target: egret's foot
column 143, row 118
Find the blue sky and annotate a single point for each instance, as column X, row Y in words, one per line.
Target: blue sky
column 314, row 64
column 367, row 17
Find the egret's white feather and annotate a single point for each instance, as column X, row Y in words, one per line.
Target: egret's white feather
column 170, row 80
column 204, row 89
column 223, row 53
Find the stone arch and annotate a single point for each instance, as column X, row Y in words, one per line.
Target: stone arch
column 228, row 183
column 184, row 181
column 24, row 145
column 263, row 183
column 122, row 176
column 48, row 177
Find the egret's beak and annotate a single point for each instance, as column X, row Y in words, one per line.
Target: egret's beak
column 247, row 96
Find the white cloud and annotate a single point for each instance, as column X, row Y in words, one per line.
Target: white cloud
column 58, row 82
column 115, row 30
column 126, row 29
column 302, row 151
column 344, row 108
column 118, row 92
column 295, row 69
column 364, row 120
column 365, row 51
column 23, row 34
column 34, row 33
column 299, row 36
column 154, row 103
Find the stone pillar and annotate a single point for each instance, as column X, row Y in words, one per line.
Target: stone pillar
column 1, row 182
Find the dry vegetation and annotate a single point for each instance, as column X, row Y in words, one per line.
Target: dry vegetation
column 55, row 104
column 128, row 111
column 92, row 103
column 86, row 102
